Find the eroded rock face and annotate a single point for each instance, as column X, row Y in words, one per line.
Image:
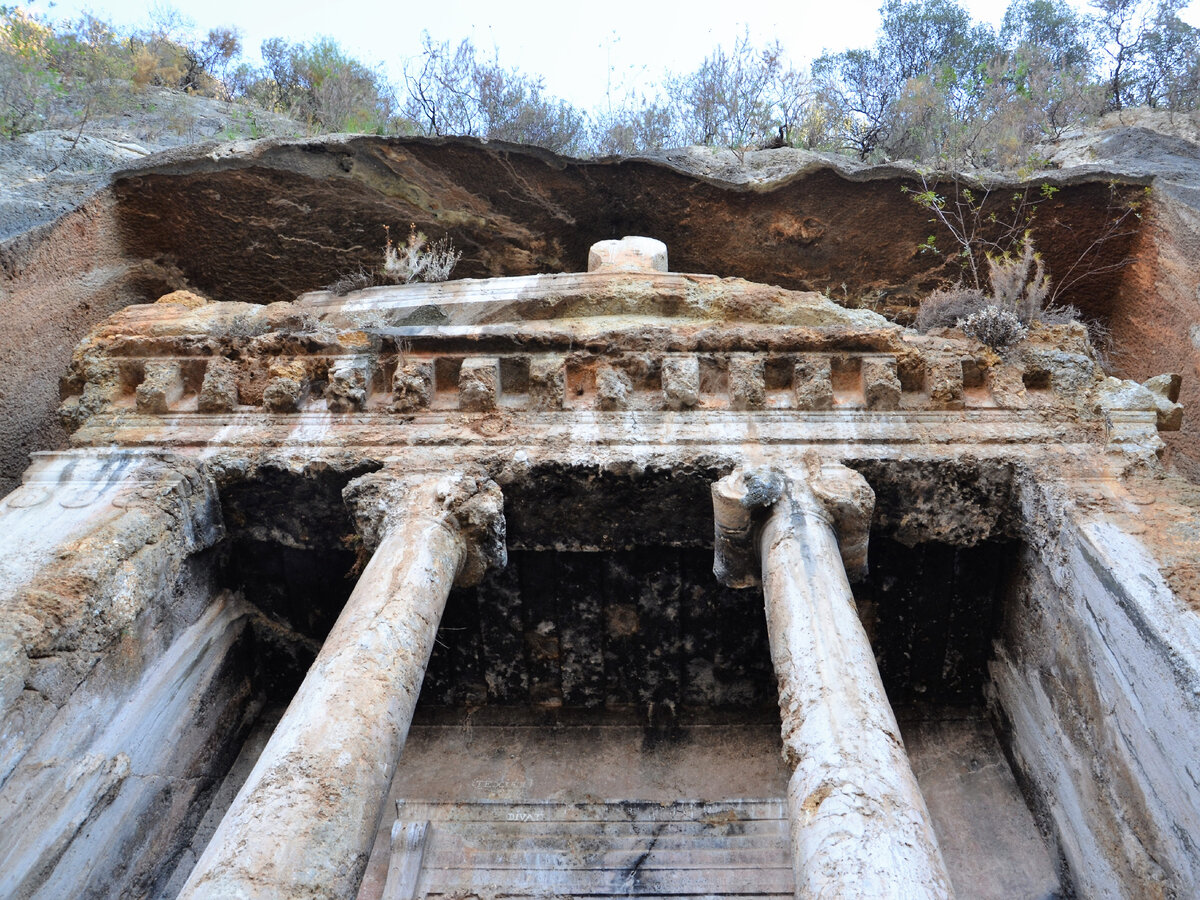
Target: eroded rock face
column 265, row 222
column 786, row 217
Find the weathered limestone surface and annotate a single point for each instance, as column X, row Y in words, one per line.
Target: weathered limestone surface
column 268, row 220
column 161, row 387
column 330, row 760
column 479, row 384
column 881, row 384
column 116, row 783
column 99, row 725
column 1097, row 682
column 962, row 771
column 88, row 543
column 412, row 385
column 681, row 382
column 812, row 383
column 547, row 381
column 348, row 383
column 218, row 391
column 606, row 403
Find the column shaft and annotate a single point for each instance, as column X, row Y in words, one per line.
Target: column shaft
column 304, row 822
column 860, row 827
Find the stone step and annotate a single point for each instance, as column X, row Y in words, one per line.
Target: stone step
column 580, row 838
column 591, row 856
column 736, row 848
column 509, row 829
column 712, row 812
column 639, row 882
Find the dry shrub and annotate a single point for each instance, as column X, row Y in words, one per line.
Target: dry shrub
column 418, row 260
column 353, row 281
column 1019, row 281
column 998, row 328
column 946, row 307
column 1020, row 292
column 415, row 260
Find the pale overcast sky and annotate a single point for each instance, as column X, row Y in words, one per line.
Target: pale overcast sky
column 573, row 45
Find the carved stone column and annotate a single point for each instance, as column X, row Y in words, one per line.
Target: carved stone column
column 303, row 823
column 859, row 823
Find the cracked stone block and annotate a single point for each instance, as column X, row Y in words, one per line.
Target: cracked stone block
column 1008, row 387
column 288, row 387
column 479, row 384
column 680, row 382
column 218, row 390
column 162, row 386
column 347, row 387
column 1165, row 389
column 812, row 383
column 945, row 380
column 613, row 388
column 881, row 384
column 547, row 382
column 101, row 385
column 1066, row 373
column 1117, row 395
column 747, row 383
column 629, row 254
column 412, row 385
column 1127, row 396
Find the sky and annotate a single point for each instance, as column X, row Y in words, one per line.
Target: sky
column 586, row 52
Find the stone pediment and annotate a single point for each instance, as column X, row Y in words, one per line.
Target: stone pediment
column 398, row 364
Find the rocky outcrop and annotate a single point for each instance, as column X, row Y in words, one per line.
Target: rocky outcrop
column 266, row 221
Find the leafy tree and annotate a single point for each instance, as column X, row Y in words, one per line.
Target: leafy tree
column 453, row 90
column 858, row 91
column 913, row 90
column 920, row 37
column 1039, row 86
column 168, row 54
column 320, row 83
column 637, row 126
column 916, row 91
column 1170, row 62
column 57, row 76
column 1060, row 35
column 27, row 84
column 739, row 97
column 1151, row 52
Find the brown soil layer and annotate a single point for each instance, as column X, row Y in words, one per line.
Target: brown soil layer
column 291, row 218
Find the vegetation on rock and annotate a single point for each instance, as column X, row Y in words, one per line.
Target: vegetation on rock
column 935, row 86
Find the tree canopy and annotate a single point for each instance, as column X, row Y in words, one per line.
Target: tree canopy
column 934, row 85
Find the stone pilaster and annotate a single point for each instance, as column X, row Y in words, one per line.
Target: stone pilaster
column 304, row 822
column 859, row 824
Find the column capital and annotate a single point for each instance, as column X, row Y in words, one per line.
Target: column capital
column 467, row 503
column 828, row 490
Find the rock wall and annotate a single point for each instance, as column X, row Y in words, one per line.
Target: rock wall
column 268, row 221
column 121, row 677
column 1096, row 684
column 55, row 284
column 279, row 219
column 1155, row 319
